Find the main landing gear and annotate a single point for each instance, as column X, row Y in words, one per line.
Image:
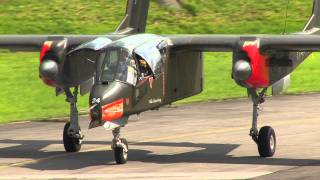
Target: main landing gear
column 72, row 137
column 265, row 138
column 120, row 147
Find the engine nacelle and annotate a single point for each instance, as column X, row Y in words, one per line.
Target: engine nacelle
column 250, row 67
column 52, row 55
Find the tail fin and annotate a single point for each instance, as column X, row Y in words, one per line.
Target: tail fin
column 135, row 19
column 314, row 21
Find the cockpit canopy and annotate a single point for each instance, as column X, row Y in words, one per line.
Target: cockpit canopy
column 153, row 53
column 117, row 64
column 121, row 60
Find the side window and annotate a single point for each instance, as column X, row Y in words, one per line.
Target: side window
column 122, row 71
column 143, row 67
column 109, row 66
column 132, row 71
column 126, row 70
column 151, row 58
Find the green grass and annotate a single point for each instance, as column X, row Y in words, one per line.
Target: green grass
column 23, row 96
column 196, row 16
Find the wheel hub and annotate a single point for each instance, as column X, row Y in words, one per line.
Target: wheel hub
column 125, row 153
column 272, row 143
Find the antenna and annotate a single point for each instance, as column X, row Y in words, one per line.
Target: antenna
column 286, row 19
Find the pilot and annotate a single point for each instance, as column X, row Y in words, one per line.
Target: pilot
column 144, row 68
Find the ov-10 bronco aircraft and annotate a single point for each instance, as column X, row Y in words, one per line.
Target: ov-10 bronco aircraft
column 128, row 72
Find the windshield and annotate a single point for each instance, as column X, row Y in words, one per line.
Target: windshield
column 118, row 65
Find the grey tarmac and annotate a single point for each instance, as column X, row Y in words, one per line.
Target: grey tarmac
column 198, row 141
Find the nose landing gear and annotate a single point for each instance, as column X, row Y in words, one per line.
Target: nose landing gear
column 265, row 138
column 120, row 147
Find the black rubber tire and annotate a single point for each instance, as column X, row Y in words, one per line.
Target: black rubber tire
column 267, row 141
column 120, row 156
column 70, row 144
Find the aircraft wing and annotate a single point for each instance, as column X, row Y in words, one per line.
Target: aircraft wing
column 270, row 45
column 219, row 43
column 309, row 43
column 35, row 42
column 230, row 43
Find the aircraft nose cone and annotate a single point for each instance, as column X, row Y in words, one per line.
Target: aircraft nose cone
column 242, row 70
column 49, row 69
column 96, row 112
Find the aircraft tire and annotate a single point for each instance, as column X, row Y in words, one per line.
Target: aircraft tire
column 71, row 144
column 120, row 154
column 266, row 142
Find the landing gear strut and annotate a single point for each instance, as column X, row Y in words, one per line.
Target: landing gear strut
column 120, row 147
column 72, row 137
column 265, row 138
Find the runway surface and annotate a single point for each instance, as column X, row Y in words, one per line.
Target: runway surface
column 199, row 141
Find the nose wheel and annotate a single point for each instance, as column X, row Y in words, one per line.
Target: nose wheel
column 121, row 152
column 266, row 137
column 120, row 147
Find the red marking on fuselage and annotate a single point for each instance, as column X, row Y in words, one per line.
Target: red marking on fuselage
column 113, row 111
column 45, row 48
column 143, row 80
column 127, row 101
column 260, row 67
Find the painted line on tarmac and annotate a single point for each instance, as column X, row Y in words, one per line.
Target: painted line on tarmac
column 176, row 175
column 20, row 122
column 171, row 137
